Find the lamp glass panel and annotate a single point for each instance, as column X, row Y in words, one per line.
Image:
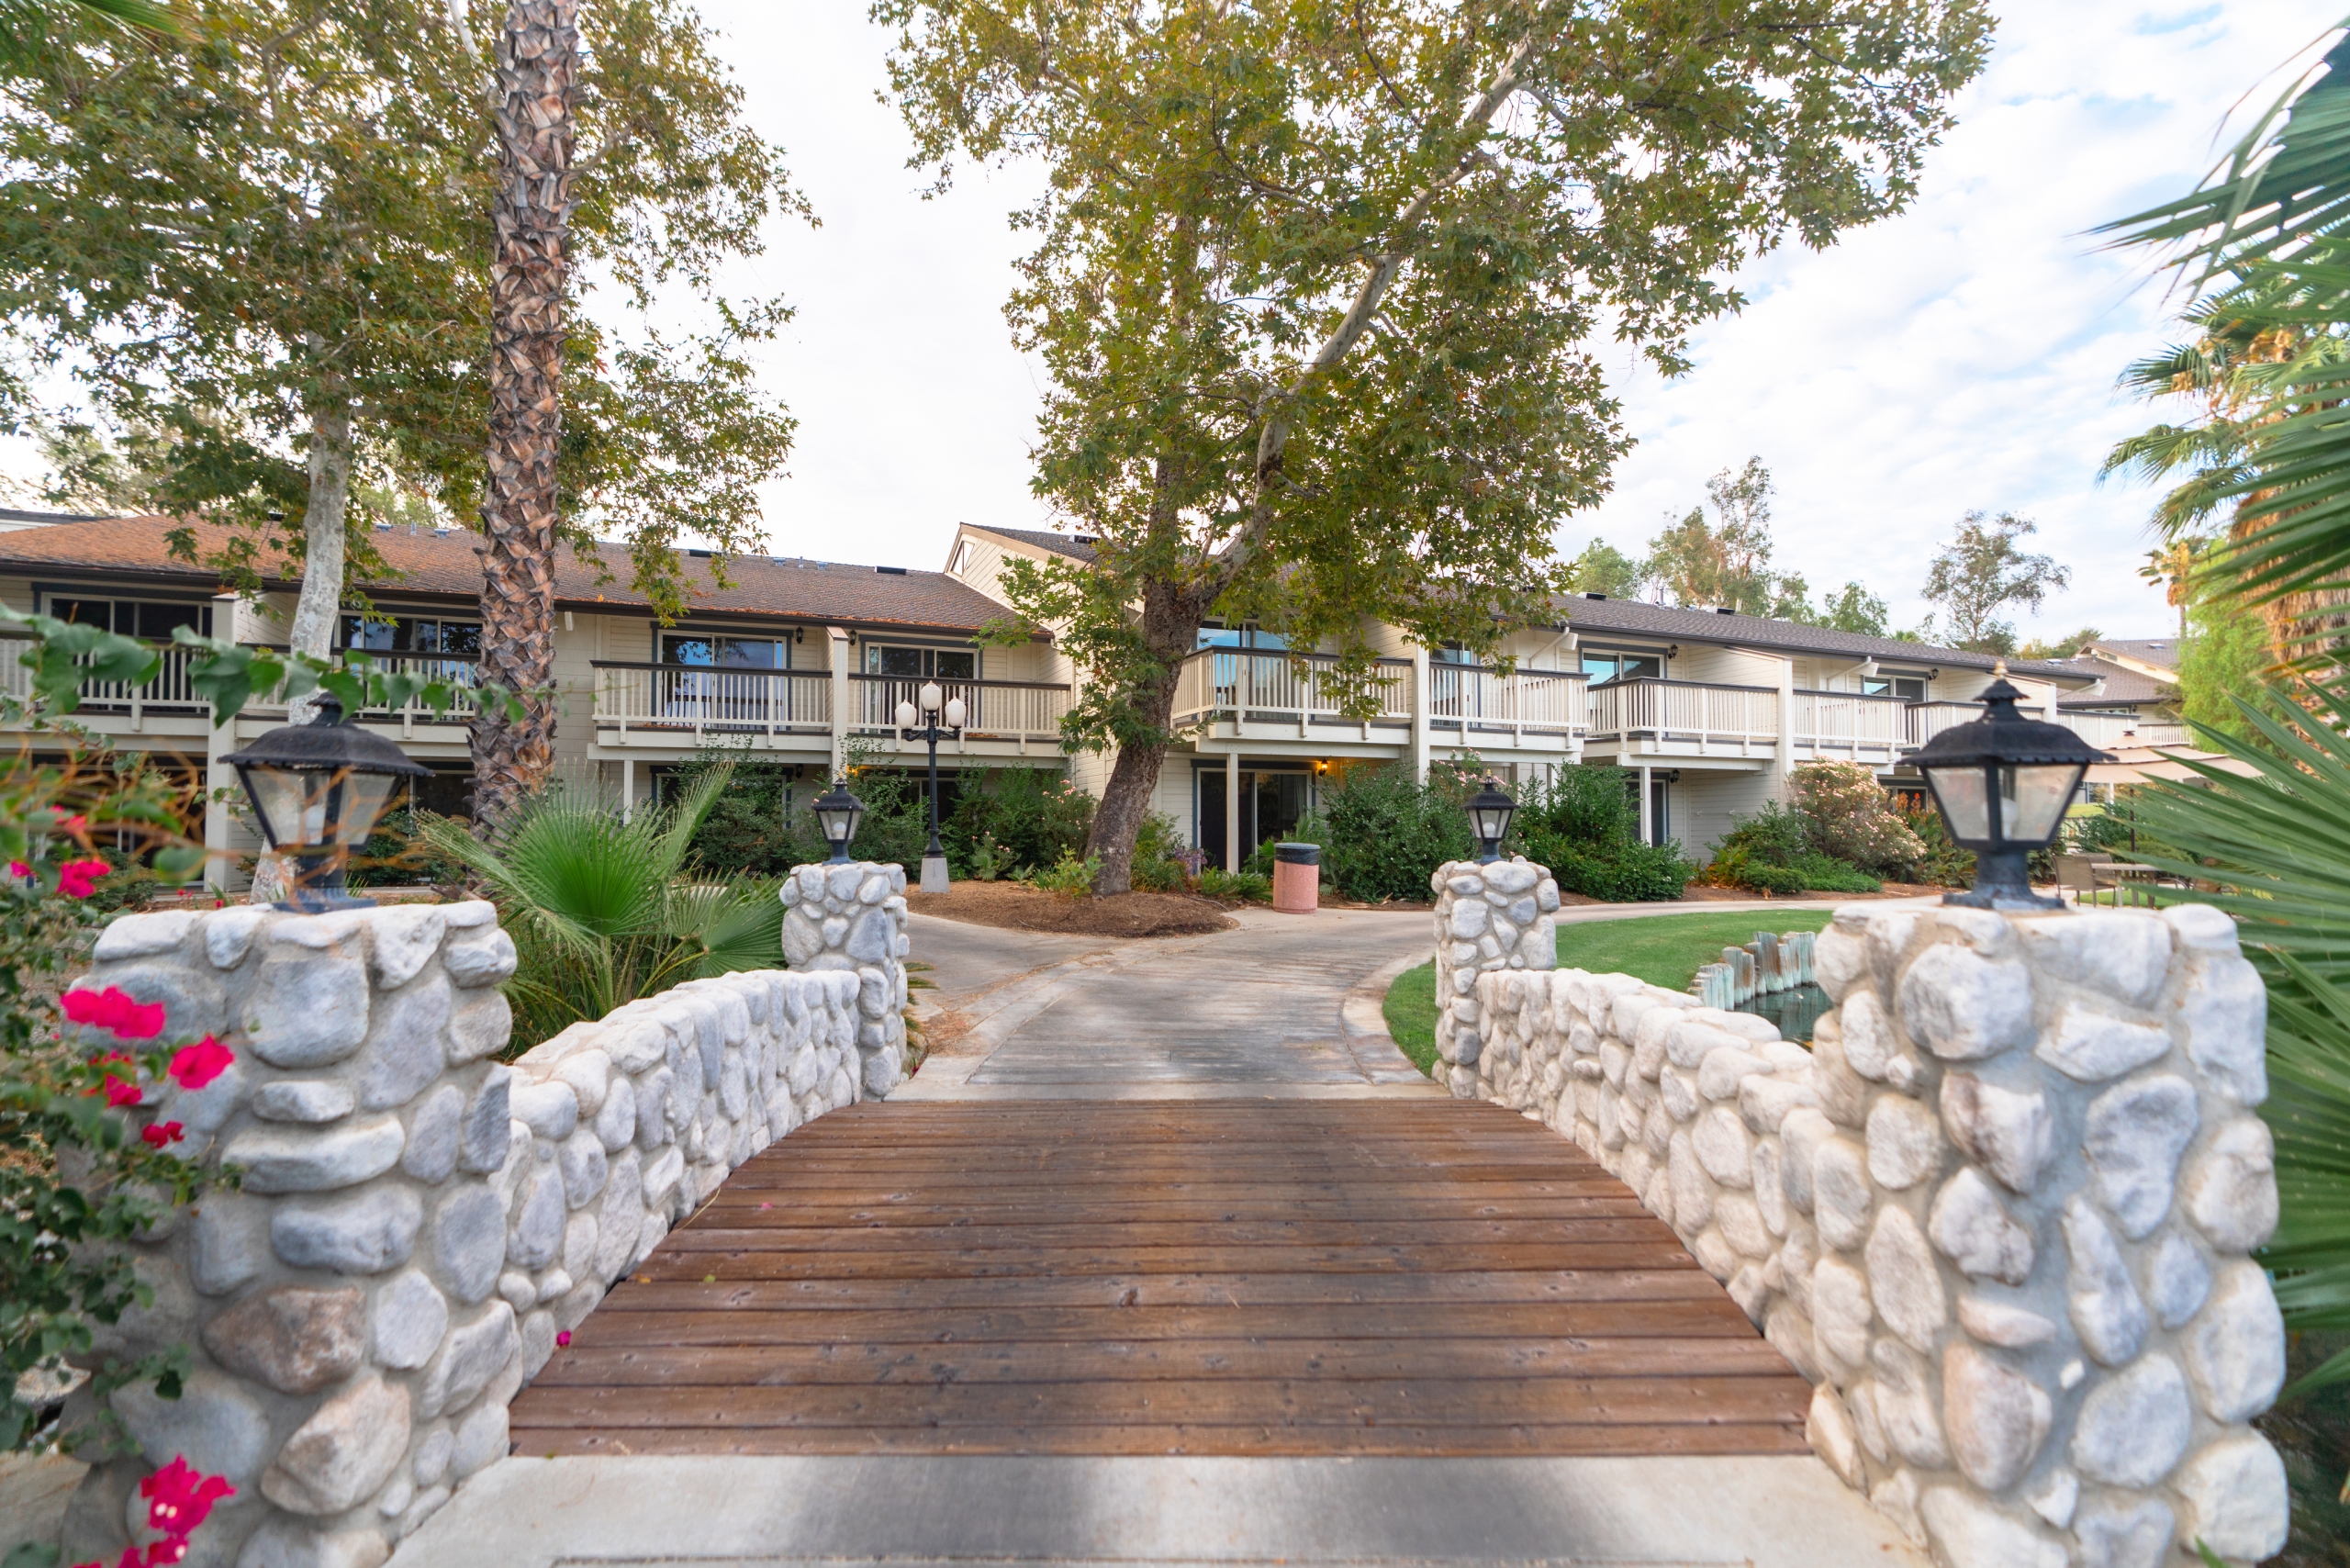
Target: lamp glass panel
column 905, row 715
column 954, row 713
column 930, row 697
column 280, row 798
column 1492, row 821
column 2032, row 799
column 839, row 824
column 1965, row 800
column 365, row 796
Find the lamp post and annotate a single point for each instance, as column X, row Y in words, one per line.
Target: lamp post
column 1489, row 814
column 934, row 855
column 2001, row 784
column 317, row 790
column 838, row 813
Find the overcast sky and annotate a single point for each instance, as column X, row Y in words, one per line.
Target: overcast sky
column 1962, row 355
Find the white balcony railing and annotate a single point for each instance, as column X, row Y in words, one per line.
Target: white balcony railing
column 172, row 694
column 1473, row 697
column 992, row 710
column 1849, row 724
column 1684, row 712
column 2108, row 731
column 692, row 699
column 1281, row 686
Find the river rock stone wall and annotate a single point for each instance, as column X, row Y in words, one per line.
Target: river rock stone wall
column 1487, row 918
column 417, row 1220
column 2001, row 1215
column 852, row 918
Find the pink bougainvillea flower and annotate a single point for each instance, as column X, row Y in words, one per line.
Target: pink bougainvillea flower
column 79, row 878
column 65, row 823
column 563, row 1336
column 19, row 871
column 180, row 1497
column 119, row 1094
column 162, row 1134
column 195, row 1066
column 118, row 1012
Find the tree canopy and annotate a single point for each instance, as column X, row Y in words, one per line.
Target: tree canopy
column 1317, row 284
column 1982, row 571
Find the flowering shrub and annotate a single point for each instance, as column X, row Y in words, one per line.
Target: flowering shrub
column 179, row 1499
column 1849, row 815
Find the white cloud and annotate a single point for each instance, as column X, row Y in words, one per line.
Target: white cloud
column 1963, row 354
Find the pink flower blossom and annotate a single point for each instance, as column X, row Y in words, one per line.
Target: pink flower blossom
column 119, row 1094
column 180, row 1497
column 161, row 1134
column 79, row 878
column 19, row 871
column 563, row 1337
column 117, row 1010
column 195, row 1066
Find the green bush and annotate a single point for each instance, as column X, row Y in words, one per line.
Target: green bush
column 1156, row 870
column 1386, row 836
column 1942, row 864
column 1773, row 852
column 1034, row 816
column 1246, row 886
column 1586, row 825
column 1069, row 876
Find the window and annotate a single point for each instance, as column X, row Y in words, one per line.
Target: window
column 1909, row 687
column 1451, row 653
column 426, row 634
column 149, row 619
column 922, row 664
column 1217, row 635
column 710, row 652
column 962, row 558
column 1603, row 665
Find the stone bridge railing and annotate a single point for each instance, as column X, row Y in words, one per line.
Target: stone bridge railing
column 1999, row 1215
column 418, row 1220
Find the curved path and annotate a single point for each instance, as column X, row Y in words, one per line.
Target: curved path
column 987, row 1319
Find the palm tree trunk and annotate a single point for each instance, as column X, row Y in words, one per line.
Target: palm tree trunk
column 537, row 69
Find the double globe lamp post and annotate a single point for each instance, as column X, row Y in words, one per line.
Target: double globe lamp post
column 934, row 855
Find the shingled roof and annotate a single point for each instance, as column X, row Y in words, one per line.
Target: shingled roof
column 447, row 566
column 1077, row 546
column 1631, row 617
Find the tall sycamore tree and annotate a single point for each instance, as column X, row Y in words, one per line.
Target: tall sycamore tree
column 1317, row 285
column 267, row 239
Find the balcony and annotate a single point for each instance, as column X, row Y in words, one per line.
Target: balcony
column 676, row 702
column 2108, row 732
column 1020, row 711
column 1284, row 690
column 1651, row 715
column 1471, row 700
column 1846, row 726
column 169, row 705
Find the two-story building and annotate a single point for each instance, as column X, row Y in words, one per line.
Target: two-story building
column 803, row 663
column 1709, row 710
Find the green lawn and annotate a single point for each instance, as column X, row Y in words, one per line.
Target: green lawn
column 1663, row 950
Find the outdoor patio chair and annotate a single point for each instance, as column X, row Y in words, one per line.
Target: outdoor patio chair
column 2083, row 874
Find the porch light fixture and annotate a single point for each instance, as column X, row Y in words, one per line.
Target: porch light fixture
column 318, row 790
column 838, row 813
column 2001, row 783
column 1489, row 814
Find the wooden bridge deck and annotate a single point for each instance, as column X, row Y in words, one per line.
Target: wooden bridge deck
column 1359, row 1276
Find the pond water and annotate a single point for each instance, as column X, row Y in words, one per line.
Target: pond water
column 1793, row 1011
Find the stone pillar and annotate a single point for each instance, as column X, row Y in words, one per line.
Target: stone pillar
column 417, row 1220
column 2001, row 1214
column 1487, row 917
column 853, row 918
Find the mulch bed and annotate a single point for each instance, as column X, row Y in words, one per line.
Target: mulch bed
column 1015, row 906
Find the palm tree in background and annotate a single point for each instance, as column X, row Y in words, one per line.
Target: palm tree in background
column 535, row 90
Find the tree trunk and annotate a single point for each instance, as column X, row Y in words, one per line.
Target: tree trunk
column 319, row 611
column 1170, row 625
column 537, row 61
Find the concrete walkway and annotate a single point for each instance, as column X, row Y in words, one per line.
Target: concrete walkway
column 1280, row 1007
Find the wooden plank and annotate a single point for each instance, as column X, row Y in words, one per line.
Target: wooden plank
column 1553, row 1290
column 669, row 1262
column 614, row 1325
column 912, row 1212
column 587, row 1364
column 1073, row 1229
column 1553, row 1402
column 1386, row 1441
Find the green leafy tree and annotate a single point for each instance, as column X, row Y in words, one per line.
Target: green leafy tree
column 262, row 247
column 1316, row 286
column 1725, row 563
column 2222, row 662
column 1603, row 569
column 2059, row 647
column 1981, row 572
column 1851, row 609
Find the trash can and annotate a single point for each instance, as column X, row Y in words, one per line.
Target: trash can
column 1297, row 877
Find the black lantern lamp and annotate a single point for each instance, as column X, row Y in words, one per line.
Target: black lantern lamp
column 1489, row 814
column 838, row 813
column 316, row 790
column 2002, row 783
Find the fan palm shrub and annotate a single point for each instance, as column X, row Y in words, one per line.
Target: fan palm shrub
column 2276, row 845
column 605, row 908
